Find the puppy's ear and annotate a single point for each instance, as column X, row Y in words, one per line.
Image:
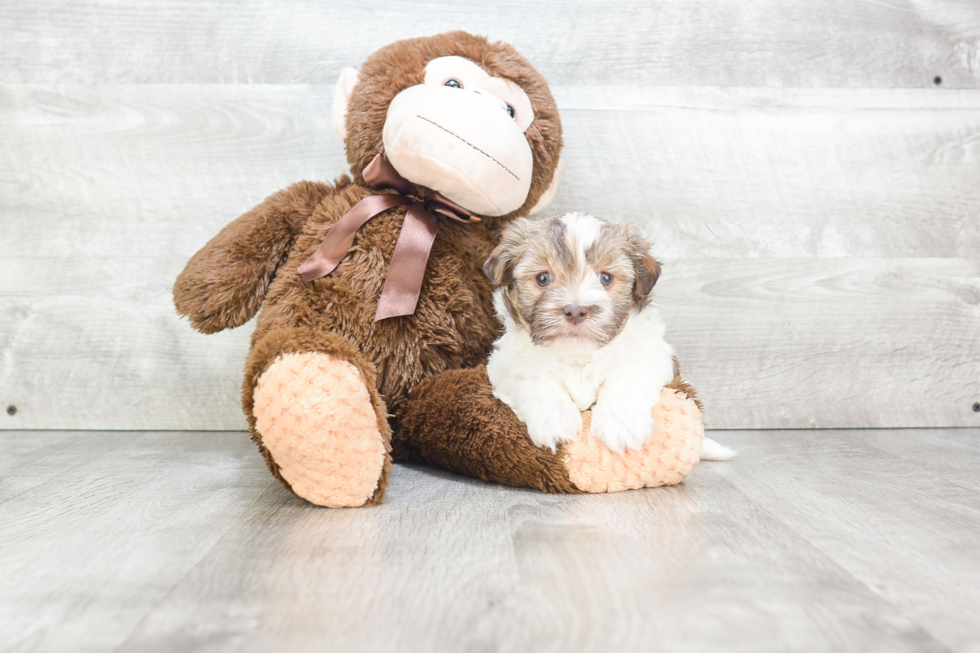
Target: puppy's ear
column 500, row 266
column 647, row 273
column 647, row 268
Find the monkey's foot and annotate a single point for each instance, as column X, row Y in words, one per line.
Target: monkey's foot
column 666, row 459
column 315, row 417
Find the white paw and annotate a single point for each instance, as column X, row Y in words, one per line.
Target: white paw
column 551, row 425
column 622, row 425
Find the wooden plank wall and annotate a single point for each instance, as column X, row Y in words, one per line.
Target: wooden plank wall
column 810, row 172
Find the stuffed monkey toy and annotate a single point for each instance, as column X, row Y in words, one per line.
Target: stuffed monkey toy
column 373, row 310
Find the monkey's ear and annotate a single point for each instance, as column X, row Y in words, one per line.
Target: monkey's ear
column 341, row 97
column 500, row 266
column 549, row 194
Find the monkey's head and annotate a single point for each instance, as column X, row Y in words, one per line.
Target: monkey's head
column 458, row 115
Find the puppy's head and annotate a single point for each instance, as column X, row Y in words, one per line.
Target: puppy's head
column 572, row 277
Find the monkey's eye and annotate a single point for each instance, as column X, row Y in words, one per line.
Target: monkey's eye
column 452, row 83
column 510, row 111
column 605, row 278
column 543, row 279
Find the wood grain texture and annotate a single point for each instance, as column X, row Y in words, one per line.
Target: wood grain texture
column 800, row 477
column 815, row 541
column 106, row 191
column 757, row 173
column 828, row 43
column 733, row 173
column 810, row 343
column 103, row 541
column 828, row 343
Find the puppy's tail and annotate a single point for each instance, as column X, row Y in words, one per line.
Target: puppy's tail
column 712, row 450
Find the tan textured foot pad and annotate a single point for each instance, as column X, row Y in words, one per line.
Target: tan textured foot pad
column 315, row 417
column 671, row 454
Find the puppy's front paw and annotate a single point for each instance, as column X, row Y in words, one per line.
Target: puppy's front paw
column 550, row 425
column 622, row 424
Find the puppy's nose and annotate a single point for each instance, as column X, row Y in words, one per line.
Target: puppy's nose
column 575, row 313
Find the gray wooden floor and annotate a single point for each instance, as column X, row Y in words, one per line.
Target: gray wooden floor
column 823, row 541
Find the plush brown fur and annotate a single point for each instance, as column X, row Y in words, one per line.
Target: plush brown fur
column 250, row 266
column 452, row 327
column 683, row 386
column 225, row 283
column 453, row 421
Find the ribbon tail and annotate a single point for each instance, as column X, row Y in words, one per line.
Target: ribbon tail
column 407, row 268
column 341, row 235
column 381, row 174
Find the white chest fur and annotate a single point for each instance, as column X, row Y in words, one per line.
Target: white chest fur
column 635, row 366
column 582, row 385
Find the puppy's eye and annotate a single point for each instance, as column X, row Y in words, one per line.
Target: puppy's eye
column 605, row 278
column 510, row 111
column 452, row 83
column 543, row 279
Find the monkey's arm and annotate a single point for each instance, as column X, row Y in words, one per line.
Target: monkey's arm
column 453, row 420
column 224, row 284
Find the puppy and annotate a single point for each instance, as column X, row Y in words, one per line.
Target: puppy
column 580, row 331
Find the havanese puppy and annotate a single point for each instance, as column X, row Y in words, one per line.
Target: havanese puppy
column 580, row 331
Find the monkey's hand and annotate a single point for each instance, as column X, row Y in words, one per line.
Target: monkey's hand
column 225, row 283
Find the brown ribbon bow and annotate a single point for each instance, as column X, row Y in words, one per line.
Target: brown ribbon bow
column 403, row 283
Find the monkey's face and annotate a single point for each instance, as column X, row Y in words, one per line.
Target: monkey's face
column 456, row 114
column 461, row 132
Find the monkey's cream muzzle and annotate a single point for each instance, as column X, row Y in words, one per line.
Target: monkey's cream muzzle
column 461, row 133
column 461, row 143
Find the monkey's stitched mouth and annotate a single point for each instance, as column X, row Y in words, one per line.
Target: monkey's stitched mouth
column 431, row 122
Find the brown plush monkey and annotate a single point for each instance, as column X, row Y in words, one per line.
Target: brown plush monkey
column 457, row 136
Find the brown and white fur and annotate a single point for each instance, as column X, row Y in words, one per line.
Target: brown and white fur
column 580, row 331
